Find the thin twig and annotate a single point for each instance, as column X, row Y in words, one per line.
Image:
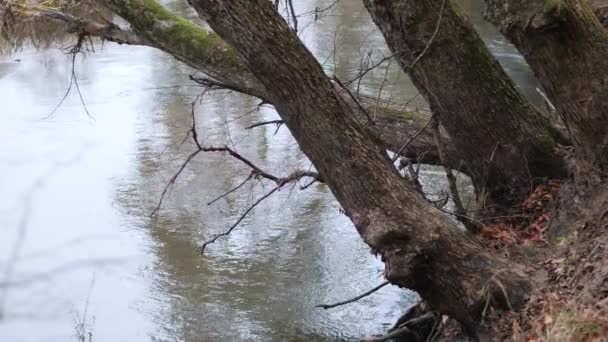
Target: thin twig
column 407, row 143
column 294, row 17
column 227, row 232
column 365, row 294
column 251, row 175
column 364, row 72
column 306, row 186
column 413, row 175
column 281, row 182
column 460, row 211
column 172, row 181
column 428, row 45
column 478, row 222
column 73, row 51
column 256, row 171
column 277, row 122
column 386, row 70
column 369, row 118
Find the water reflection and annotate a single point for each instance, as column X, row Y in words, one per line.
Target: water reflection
column 262, row 282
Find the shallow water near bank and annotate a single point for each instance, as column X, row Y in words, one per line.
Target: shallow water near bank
column 78, row 243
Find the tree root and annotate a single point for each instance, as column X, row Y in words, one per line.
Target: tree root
column 417, row 324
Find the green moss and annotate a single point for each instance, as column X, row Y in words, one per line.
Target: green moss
column 409, row 115
column 552, row 6
column 174, row 32
column 391, row 112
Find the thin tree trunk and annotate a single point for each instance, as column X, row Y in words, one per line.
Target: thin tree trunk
column 421, row 249
column 567, row 48
column 504, row 139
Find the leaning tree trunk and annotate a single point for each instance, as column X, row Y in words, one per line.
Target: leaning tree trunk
column 504, row 139
column 567, row 48
column 421, row 249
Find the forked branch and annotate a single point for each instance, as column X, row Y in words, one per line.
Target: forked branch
column 281, row 182
column 256, row 172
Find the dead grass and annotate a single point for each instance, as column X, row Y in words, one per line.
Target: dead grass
column 21, row 26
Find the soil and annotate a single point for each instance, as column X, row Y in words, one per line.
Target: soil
column 563, row 243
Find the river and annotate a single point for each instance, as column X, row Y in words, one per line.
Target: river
column 79, row 251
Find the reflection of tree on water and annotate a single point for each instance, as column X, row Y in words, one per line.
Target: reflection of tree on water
column 278, row 264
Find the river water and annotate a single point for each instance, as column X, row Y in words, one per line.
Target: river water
column 79, row 251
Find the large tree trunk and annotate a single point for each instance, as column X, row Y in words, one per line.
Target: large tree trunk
column 567, row 48
column 421, row 249
column 504, row 139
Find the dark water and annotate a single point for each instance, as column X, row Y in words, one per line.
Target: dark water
column 77, row 240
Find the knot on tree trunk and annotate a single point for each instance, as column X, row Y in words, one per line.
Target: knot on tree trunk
column 405, row 268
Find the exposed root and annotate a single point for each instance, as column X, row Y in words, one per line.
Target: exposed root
column 417, row 324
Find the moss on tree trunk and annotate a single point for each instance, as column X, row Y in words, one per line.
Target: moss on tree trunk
column 505, row 140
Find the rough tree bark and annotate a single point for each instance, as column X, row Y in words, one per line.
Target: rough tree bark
column 504, row 139
column 566, row 47
column 421, row 249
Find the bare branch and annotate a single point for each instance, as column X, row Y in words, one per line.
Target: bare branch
column 281, row 182
column 428, row 45
column 369, row 118
column 256, row 172
column 364, row 72
column 459, row 210
column 251, row 175
column 413, row 174
column 363, row 295
column 227, row 232
column 409, row 141
column 73, row 51
column 294, row 17
column 172, row 181
column 386, row 70
column 306, row 186
column 277, row 122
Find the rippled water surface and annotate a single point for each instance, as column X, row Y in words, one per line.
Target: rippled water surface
column 78, row 243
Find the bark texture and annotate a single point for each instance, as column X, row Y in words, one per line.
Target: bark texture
column 567, row 48
column 421, row 249
column 505, row 140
